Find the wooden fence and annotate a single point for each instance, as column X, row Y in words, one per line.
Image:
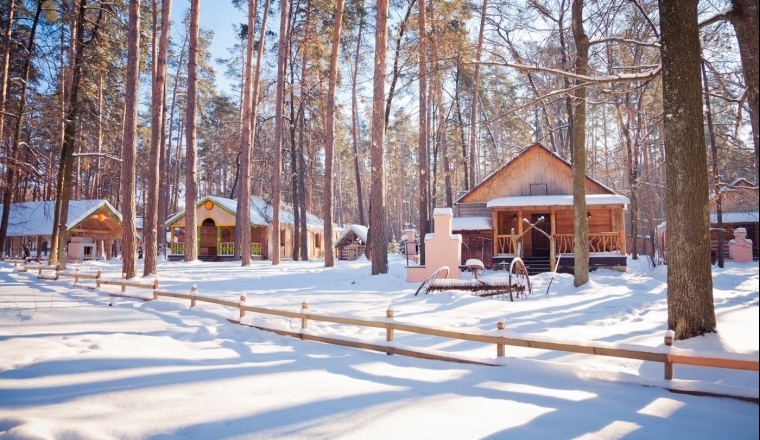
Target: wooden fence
column 668, row 355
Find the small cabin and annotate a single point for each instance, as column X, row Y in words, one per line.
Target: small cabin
column 217, row 218
column 739, row 210
column 351, row 243
column 93, row 230
column 525, row 209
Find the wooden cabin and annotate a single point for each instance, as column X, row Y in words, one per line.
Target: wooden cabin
column 351, row 243
column 93, row 230
column 739, row 209
column 528, row 203
column 216, row 217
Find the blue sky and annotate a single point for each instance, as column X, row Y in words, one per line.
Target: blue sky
column 218, row 16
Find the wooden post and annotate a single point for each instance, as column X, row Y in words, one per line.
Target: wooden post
column 97, row 279
column 193, row 292
column 669, row 367
column 389, row 330
column 76, row 276
column 242, row 303
column 123, row 279
column 155, row 283
column 500, row 347
column 304, row 308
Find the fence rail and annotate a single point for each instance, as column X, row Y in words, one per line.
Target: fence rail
column 668, row 355
column 665, row 355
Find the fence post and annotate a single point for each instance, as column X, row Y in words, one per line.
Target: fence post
column 669, row 367
column 193, row 292
column 389, row 328
column 155, row 283
column 76, row 276
column 123, row 279
column 97, row 279
column 242, row 304
column 304, row 308
column 500, row 347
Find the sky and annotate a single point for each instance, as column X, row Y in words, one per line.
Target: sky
column 218, row 16
column 76, row 363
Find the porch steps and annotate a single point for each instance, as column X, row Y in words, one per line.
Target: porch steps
column 537, row 265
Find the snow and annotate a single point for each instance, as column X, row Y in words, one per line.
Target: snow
column 736, row 217
column 36, row 218
column 471, row 224
column 556, row 200
column 73, row 367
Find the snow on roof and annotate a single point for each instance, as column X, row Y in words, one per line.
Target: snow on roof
column 359, row 230
column 260, row 212
column 36, row 218
column 471, row 224
column 557, row 200
column 736, row 217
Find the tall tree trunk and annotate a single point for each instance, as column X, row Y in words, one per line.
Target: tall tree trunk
column 5, row 71
column 243, row 217
column 151, row 234
column 441, row 117
column 717, row 184
column 129, row 148
column 355, row 121
column 63, row 185
column 744, row 18
column 690, row 295
column 282, row 63
column 580, row 218
column 11, row 165
column 330, row 136
column 423, row 187
column 475, row 96
column 191, row 172
column 377, row 213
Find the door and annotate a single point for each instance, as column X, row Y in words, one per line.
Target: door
column 208, row 238
column 540, row 241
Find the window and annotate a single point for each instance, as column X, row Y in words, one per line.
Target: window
column 317, row 241
column 538, row 189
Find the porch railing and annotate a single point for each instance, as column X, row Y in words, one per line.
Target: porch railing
column 507, row 244
column 598, row 242
column 226, row 248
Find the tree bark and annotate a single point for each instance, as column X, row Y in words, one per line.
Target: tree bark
column 423, row 184
column 191, row 172
column 580, row 217
column 11, row 165
column 355, row 121
column 690, row 298
column 475, row 96
column 243, row 217
column 282, row 63
column 129, row 148
column 330, row 136
column 151, row 234
column 377, row 213
column 744, row 18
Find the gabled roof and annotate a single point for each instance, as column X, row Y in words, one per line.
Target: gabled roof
column 359, row 230
column 36, row 218
column 489, row 180
column 260, row 213
column 564, row 200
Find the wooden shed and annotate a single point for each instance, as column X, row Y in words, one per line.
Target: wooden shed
column 93, row 229
column 216, row 217
column 351, row 242
column 529, row 201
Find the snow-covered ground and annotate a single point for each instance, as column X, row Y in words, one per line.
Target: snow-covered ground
column 71, row 367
